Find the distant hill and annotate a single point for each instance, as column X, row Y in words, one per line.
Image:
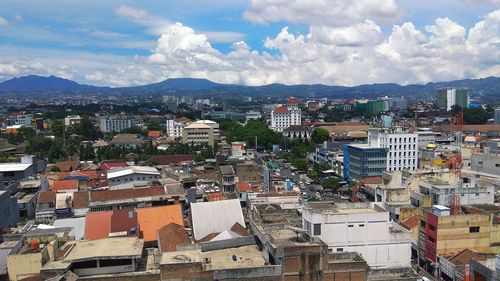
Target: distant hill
column 34, row 83
column 486, row 89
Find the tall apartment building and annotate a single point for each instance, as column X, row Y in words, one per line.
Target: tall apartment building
column 115, row 124
column 174, row 128
column 497, row 115
column 402, row 147
column 447, row 98
column 198, row 134
column 283, row 117
column 364, row 228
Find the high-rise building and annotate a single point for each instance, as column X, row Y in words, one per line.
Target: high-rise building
column 363, row 161
column 447, row 98
column 115, row 124
column 497, row 116
column 402, row 147
column 283, row 117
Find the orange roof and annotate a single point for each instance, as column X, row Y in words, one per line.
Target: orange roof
column 153, row 218
column 281, row 109
column 154, row 134
column 372, row 180
column 97, row 225
column 411, row 222
column 215, row 196
column 64, row 185
column 243, row 186
column 92, row 175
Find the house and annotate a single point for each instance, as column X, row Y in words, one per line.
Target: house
column 132, row 176
column 152, row 219
column 64, row 186
column 227, row 178
column 170, row 160
column 154, row 134
column 298, row 131
column 126, row 140
column 67, row 166
column 46, row 205
column 111, row 164
column 99, row 225
column 170, row 236
column 215, row 217
column 13, row 172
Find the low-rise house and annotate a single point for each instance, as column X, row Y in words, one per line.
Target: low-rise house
column 152, row 219
column 170, row 160
column 126, row 140
column 46, row 205
column 298, row 131
column 132, row 176
column 227, row 178
column 13, row 172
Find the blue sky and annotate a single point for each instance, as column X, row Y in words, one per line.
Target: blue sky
column 255, row 42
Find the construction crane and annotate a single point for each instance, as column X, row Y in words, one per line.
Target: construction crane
column 454, row 163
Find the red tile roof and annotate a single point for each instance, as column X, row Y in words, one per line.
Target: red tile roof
column 106, row 195
column 469, row 128
column 281, row 109
column 68, row 166
column 97, row 225
column 243, row 186
column 154, row 134
column 411, row 222
column 47, row 197
column 80, row 199
column 215, row 196
column 106, row 165
column 169, row 159
column 124, row 220
column 240, row 230
column 463, row 257
column 64, row 185
column 372, row 180
column 172, row 235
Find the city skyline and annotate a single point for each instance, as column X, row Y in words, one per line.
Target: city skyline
column 124, row 43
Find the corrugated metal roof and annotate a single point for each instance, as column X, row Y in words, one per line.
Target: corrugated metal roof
column 216, row 216
column 120, row 172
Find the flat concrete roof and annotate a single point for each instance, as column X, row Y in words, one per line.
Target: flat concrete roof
column 119, row 247
column 246, row 256
column 344, row 208
column 13, row 167
column 288, row 237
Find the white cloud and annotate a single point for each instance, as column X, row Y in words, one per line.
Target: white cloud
column 3, row 22
column 321, row 12
column 366, row 32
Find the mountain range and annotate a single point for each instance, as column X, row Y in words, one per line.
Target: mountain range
column 486, row 90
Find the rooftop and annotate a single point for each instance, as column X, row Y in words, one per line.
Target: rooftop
column 246, row 256
column 154, row 218
column 197, row 126
column 13, row 167
column 120, row 247
column 331, row 208
column 120, row 172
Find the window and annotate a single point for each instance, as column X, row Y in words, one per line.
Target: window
column 431, row 239
column 340, row 249
column 317, row 229
column 474, row 229
column 361, row 225
column 351, row 225
column 422, row 223
column 432, row 228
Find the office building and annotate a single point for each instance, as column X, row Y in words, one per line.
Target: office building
column 363, row 161
column 447, row 98
column 72, row 120
column 350, row 227
column 402, row 150
column 198, row 134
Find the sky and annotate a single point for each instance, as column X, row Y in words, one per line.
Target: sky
column 255, row 42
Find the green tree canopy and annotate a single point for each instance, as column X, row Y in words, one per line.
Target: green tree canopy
column 332, row 184
column 319, row 135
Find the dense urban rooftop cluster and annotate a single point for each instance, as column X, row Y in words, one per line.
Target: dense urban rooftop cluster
column 194, row 188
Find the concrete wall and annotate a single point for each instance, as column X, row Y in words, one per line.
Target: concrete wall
column 9, row 212
column 24, row 265
column 129, row 181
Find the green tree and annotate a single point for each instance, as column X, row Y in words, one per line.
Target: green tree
column 86, row 129
column 154, row 126
column 86, row 152
column 319, row 135
column 299, row 163
column 475, row 116
column 331, row 184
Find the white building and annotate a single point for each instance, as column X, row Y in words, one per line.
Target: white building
column 283, row 117
column 213, row 124
column 114, row 125
column 253, row 115
column 364, row 228
column 132, row 176
column 72, row 120
column 174, row 128
column 425, row 136
column 25, row 119
column 402, row 147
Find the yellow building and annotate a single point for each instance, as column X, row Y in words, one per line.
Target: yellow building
column 198, row 133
